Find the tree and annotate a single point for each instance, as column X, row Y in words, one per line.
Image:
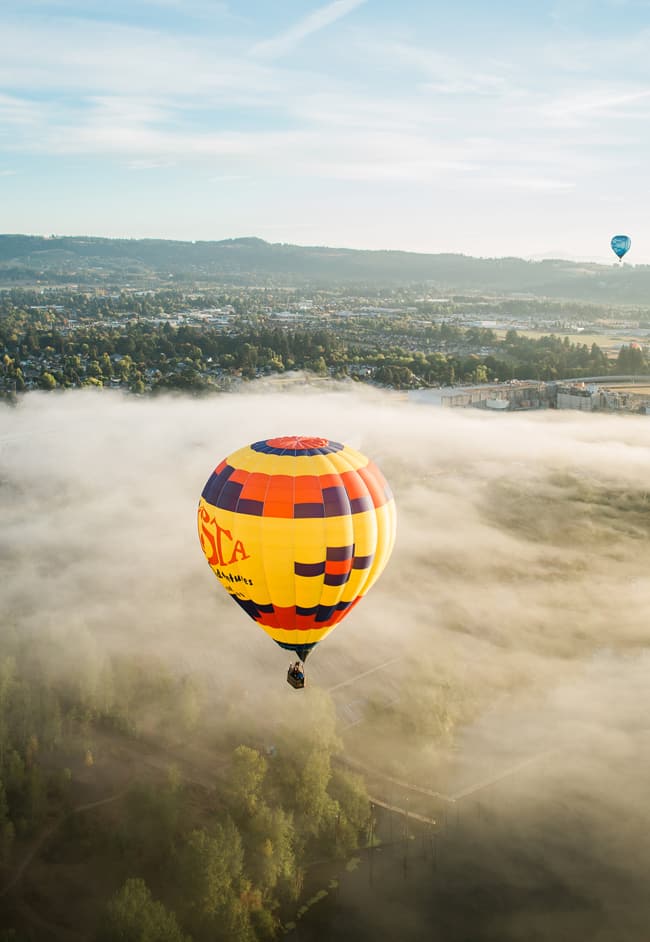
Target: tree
column 480, row 374
column 598, row 362
column 132, row 915
column 152, row 819
column 630, row 359
column 312, row 801
column 6, row 827
column 188, row 704
column 106, row 365
column 210, row 867
column 247, row 773
column 34, row 797
column 7, row 683
column 270, row 857
column 14, row 775
column 349, row 791
column 46, row 380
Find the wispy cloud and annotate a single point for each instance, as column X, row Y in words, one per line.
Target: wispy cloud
column 226, row 178
column 593, row 103
column 536, row 184
column 441, row 72
column 15, row 110
column 594, row 54
column 146, row 144
column 425, row 170
column 203, row 8
column 393, row 104
column 149, row 164
column 87, row 58
column 319, row 19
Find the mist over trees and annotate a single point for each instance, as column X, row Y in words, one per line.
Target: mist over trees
column 222, row 858
column 159, row 777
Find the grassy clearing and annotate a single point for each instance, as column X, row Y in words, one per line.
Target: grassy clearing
column 609, row 342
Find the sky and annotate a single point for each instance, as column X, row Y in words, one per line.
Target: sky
column 519, row 581
column 507, row 128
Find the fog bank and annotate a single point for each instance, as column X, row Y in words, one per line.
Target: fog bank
column 520, row 580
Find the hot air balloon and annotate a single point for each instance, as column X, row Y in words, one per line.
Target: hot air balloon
column 297, row 529
column 621, row 245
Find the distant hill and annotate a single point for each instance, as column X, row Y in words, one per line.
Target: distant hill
column 90, row 261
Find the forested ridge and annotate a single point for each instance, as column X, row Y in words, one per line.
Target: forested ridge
column 28, row 259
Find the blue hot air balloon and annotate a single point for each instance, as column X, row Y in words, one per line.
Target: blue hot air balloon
column 621, row 245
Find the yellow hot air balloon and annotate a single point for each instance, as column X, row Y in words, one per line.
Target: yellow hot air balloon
column 297, row 529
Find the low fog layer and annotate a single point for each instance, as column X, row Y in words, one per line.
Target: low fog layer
column 522, row 537
column 520, row 579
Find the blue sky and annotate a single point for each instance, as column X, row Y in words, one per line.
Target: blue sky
column 501, row 128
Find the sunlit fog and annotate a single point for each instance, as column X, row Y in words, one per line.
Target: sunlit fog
column 499, row 662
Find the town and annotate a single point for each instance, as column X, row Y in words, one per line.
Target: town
column 491, row 353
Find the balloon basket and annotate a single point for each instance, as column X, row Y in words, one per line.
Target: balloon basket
column 296, row 682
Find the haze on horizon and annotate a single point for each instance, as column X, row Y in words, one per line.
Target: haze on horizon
column 509, row 129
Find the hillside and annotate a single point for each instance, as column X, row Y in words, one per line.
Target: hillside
column 95, row 261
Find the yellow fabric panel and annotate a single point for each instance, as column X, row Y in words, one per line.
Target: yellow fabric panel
column 365, row 533
column 339, row 531
column 269, row 548
column 309, row 591
column 365, row 545
column 386, row 520
column 233, row 527
column 356, row 584
column 275, row 546
column 310, row 636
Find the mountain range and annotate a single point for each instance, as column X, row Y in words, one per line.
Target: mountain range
column 86, row 261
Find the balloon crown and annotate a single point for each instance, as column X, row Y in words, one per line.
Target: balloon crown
column 297, row 442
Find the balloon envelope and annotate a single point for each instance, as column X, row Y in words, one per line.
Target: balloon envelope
column 297, row 530
column 620, row 245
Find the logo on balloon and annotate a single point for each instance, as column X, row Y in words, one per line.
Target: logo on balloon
column 218, row 544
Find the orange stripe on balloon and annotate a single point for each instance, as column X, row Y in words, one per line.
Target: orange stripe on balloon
column 354, row 484
column 375, row 482
column 279, row 497
column 288, row 620
column 255, row 486
column 334, row 567
column 330, row 480
column 239, row 476
column 308, row 490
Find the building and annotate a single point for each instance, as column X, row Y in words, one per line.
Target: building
column 578, row 396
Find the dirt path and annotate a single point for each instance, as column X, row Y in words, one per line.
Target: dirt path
column 145, row 754
column 47, row 833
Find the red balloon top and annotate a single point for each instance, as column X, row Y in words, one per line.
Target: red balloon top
column 297, row 442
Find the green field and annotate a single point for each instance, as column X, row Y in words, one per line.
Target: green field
column 609, row 342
